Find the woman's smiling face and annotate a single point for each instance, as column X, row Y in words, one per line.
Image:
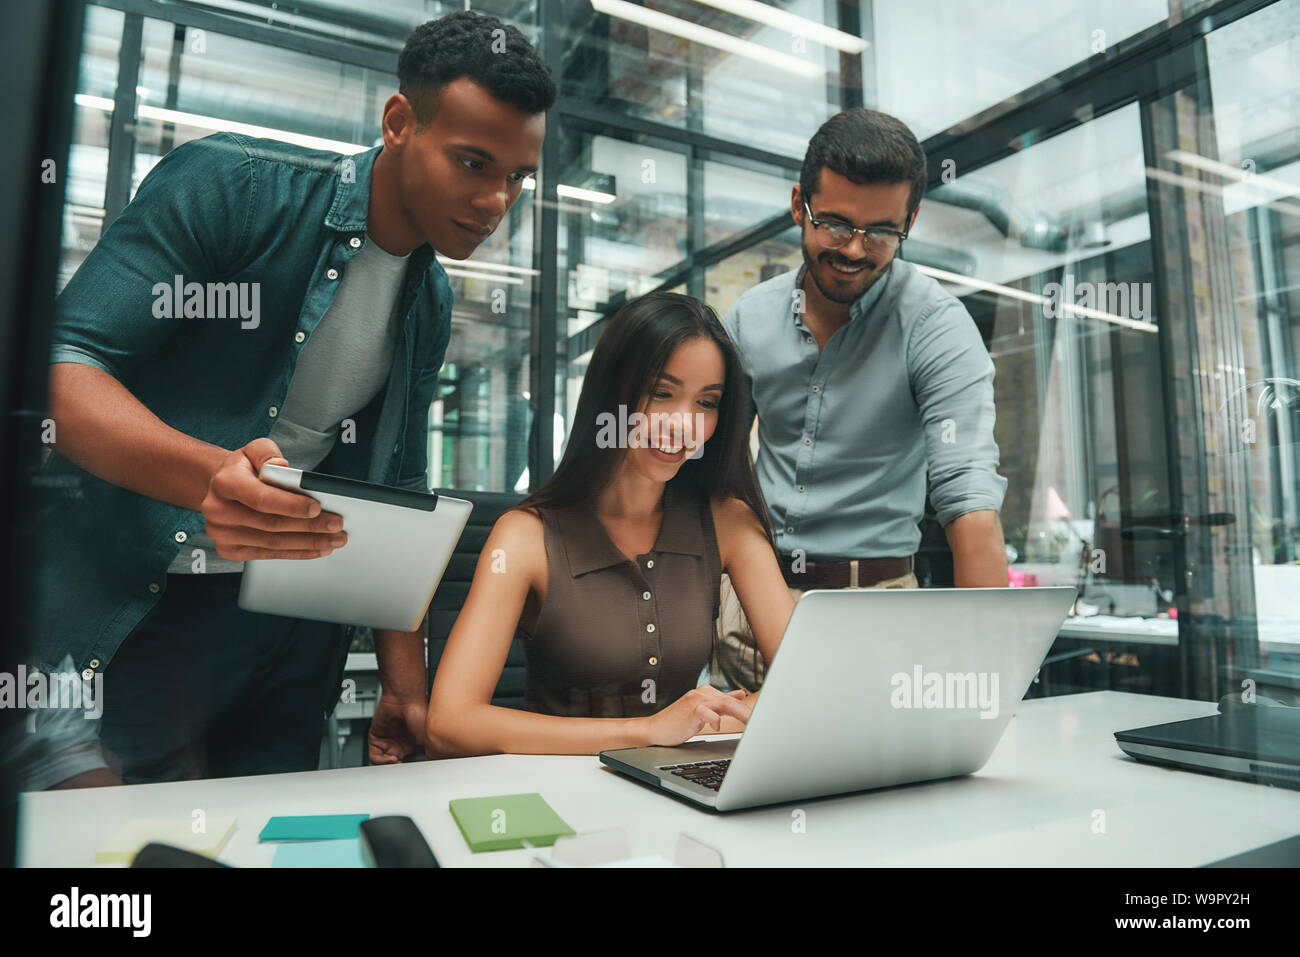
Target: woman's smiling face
column 681, row 410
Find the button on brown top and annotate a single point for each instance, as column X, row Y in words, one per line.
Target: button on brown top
column 592, row 653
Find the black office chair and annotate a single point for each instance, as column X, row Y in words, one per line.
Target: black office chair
column 454, row 589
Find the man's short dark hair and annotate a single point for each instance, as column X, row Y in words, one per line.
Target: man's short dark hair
column 865, row 146
column 494, row 55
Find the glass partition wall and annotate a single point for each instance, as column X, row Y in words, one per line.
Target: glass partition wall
column 1113, row 196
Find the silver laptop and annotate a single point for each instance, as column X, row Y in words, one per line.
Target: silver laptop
column 399, row 544
column 870, row 688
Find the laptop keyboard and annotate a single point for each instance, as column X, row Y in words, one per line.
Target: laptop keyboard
column 707, row 773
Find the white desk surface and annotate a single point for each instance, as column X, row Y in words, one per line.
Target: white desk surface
column 1033, row 804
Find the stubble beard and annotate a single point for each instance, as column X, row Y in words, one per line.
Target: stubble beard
column 832, row 294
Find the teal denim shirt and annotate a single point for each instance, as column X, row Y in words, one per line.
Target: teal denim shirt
column 281, row 223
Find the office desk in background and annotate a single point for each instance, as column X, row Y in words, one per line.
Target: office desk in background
column 1057, row 791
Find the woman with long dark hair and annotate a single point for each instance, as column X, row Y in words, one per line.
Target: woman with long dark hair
column 610, row 572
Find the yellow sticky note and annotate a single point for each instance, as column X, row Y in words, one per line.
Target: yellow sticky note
column 134, row 835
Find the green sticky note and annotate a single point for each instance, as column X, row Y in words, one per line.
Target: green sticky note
column 319, row 854
column 313, row 827
column 505, row 822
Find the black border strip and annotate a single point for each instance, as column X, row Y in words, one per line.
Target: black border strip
column 368, row 491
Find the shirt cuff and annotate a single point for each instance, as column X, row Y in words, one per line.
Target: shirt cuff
column 973, row 499
column 62, row 352
column 64, row 765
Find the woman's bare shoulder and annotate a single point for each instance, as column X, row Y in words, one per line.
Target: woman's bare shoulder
column 528, row 516
column 731, row 512
column 520, row 532
column 736, row 526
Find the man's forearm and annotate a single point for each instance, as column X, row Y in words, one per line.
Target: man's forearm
column 979, row 553
column 401, row 662
column 107, row 431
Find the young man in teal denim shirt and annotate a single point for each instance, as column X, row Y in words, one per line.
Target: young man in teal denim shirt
column 250, row 283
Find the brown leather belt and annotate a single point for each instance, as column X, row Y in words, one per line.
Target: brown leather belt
column 859, row 573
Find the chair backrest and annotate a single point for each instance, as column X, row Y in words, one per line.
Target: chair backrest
column 454, row 589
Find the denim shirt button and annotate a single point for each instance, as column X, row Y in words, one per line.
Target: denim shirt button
column 355, row 242
column 153, row 587
column 332, row 273
column 273, row 412
column 87, row 674
column 299, row 336
column 181, row 536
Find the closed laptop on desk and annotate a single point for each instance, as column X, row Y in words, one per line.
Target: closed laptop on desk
column 1257, row 742
column 870, row 688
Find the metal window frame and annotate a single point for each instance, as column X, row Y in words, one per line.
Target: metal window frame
column 1138, row 69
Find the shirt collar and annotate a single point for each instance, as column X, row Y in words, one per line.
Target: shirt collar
column 862, row 305
column 352, row 191
column 351, row 206
column 589, row 547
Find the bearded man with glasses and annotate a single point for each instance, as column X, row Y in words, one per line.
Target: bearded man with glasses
column 870, row 384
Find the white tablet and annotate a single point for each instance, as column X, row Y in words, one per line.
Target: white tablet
column 399, row 544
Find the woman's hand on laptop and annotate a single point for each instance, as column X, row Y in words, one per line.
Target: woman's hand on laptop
column 251, row 519
column 699, row 711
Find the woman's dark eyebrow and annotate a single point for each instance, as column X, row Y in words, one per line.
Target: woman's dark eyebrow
column 715, row 387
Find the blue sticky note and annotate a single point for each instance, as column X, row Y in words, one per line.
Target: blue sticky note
column 313, row 827
column 320, row 854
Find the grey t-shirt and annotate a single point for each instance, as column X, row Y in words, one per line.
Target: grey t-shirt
column 342, row 367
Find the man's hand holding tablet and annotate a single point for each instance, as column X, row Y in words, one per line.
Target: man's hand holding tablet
column 249, row 518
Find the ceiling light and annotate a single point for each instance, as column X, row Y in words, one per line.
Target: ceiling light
column 1033, row 297
column 698, row 34
column 485, row 277
column 496, row 267
column 1196, row 185
column 1233, row 172
column 201, row 122
column 790, row 23
column 589, row 195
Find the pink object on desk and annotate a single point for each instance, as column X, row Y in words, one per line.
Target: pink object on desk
column 1022, row 579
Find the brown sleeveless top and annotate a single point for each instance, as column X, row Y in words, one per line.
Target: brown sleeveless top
column 617, row 638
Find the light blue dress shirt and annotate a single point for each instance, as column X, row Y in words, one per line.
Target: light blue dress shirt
column 847, row 437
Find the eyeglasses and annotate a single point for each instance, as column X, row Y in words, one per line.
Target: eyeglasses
column 835, row 234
